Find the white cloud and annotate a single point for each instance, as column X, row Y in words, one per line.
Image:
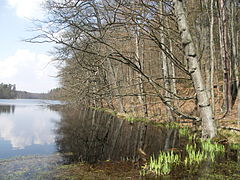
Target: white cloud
column 27, row 8
column 29, row 71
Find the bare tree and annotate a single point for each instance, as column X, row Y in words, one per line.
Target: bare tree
column 194, row 69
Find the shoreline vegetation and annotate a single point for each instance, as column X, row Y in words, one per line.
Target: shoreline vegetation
column 184, row 162
column 175, row 163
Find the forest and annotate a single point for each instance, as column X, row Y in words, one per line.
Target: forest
column 174, row 61
column 8, row 91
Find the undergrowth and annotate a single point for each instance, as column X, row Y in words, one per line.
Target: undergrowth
column 196, row 151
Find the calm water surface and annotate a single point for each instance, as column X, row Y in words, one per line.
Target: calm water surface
column 27, row 127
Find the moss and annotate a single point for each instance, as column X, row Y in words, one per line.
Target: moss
column 107, row 110
column 131, row 118
column 168, row 125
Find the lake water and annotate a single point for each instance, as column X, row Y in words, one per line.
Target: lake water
column 92, row 136
column 27, row 127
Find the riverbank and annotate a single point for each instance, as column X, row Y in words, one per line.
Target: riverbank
column 48, row 168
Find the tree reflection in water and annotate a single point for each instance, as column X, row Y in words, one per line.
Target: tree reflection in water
column 7, row 109
column 90, row 135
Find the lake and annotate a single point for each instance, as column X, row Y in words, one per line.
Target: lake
column 27, row 127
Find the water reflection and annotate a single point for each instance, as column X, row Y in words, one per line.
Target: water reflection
column 26, row 129
column 8, row 109
column 90, row 135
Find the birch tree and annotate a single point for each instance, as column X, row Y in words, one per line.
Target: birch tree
column 206, row 115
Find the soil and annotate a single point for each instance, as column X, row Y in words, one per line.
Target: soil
column 98, row 171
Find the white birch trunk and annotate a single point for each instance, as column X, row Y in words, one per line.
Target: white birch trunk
column 212, row 55
column 208, row 127
column 165, row 67
column 238, row 114
column 140, row 60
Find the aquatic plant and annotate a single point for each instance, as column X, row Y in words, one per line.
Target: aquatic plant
column 194, row 156
column 208, row 146
column 212, row 148
column 192, row 137
column 184, row 132
column 206, row 150
column 162, row 164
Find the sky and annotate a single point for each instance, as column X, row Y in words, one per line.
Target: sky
column 27, row 65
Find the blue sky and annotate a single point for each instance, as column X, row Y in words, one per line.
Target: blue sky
column 27, row 65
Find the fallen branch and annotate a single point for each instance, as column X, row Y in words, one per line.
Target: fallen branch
column 229, row 128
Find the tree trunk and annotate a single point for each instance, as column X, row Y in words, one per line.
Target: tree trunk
column 238, row 84
column 205, row 31
column 235, row 73
column 212, row 55
column 165, row 67
column 225, row 61
column 238, row 115
column 140, row 59
column 208, row 127
column 114, row 86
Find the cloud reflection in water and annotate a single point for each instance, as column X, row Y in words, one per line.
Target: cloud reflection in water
column 28, row 125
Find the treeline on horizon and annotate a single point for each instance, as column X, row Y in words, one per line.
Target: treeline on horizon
column 8, row 91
